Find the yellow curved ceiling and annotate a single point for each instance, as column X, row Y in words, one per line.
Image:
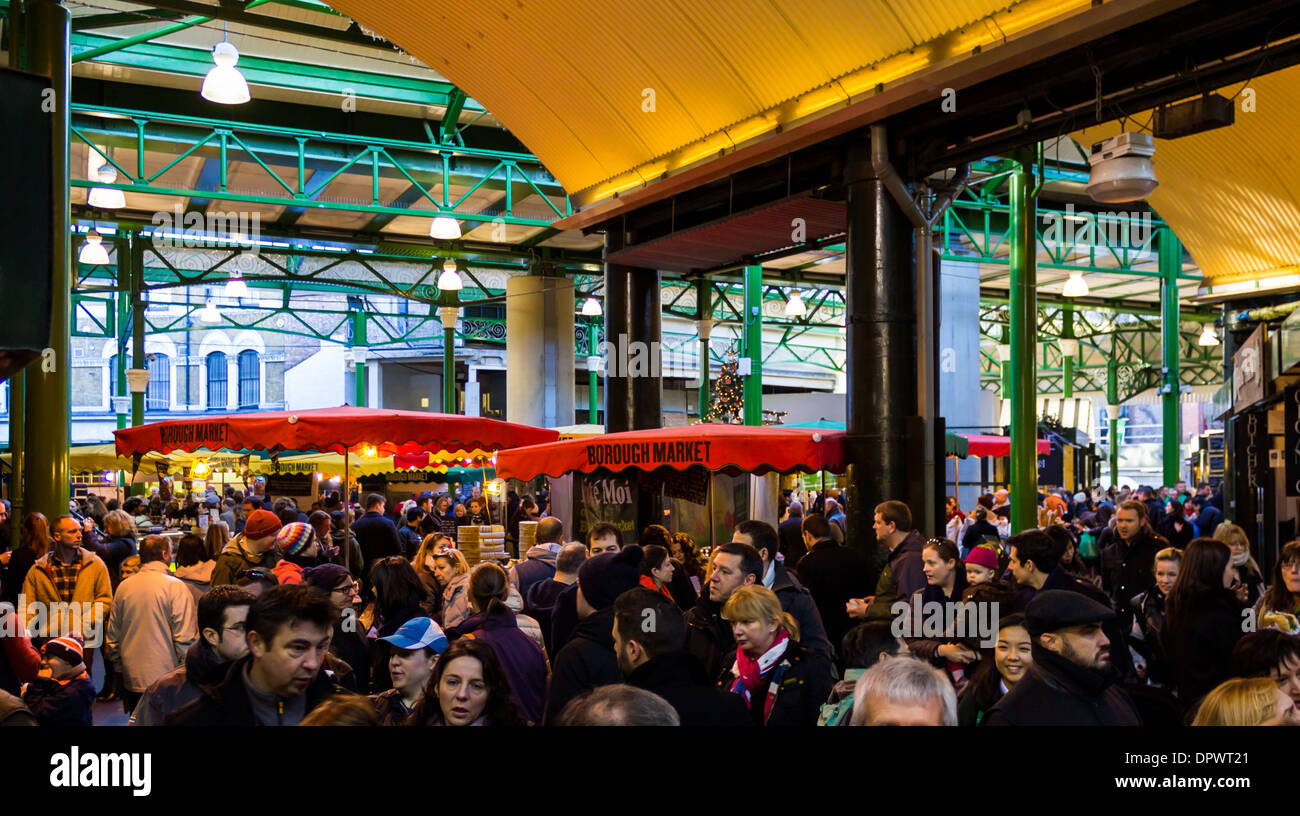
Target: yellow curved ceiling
column 573, row 80
column 1232, row 195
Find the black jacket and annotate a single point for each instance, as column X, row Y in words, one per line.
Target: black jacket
column 790, row 533
column 679, row 678
column 1116, row 630
column 227, row 703
column 805, row 682
column 977, row 533
column 834, row 574
column 1128, row 570
column 586, row 661
column 377, row 536
column 1057, row 692
column 1199, row 640
column 708, row 636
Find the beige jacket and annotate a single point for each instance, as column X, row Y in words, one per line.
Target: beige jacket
column 45, row 616
column 154, row 621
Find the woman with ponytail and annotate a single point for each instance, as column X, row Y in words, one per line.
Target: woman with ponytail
column 781, row 682
column 495, row 624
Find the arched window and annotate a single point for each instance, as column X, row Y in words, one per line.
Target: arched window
column 158, row 397
column 218, row 377
column 250, row 379
column 112, row 377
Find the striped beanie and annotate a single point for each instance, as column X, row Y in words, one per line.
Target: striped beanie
column 294, row 537
column 66, row 648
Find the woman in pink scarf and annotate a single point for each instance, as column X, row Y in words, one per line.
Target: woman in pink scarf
column 781, row 682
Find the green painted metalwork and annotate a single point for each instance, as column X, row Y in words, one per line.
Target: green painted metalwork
column 1171, row 261
column 704, row 311
column 135, row 272
column 1112, row 399
column 126, row 42
column 1067, row 333
column 362, row 379
column 753, row 334
column 1023, row 462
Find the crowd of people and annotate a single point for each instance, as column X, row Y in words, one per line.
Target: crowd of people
column 1122, row 607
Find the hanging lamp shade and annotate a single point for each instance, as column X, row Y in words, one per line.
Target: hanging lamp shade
column 93, row 252
column 795, row 307
column 1075, row 286
column 1208, row 336
column 445, row 228
column 591, row 308
column 106, row 198
column 235, row 287
column 224, row 84
column 209, row 313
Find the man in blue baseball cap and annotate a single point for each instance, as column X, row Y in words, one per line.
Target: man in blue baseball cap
column 413, row 652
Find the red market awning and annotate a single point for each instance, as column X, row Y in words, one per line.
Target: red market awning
column 989, row 445
column 726, row 448
column 390, row 432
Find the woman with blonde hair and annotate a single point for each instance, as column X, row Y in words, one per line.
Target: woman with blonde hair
column 424, row 565
column 781, row 682
column 1247, row 701
column 1250, row 578
column 451, row 568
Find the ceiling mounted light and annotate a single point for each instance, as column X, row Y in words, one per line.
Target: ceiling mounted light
column 449, row 280
column 591, row 308
column 445, row 228
column 1075, row 285
column 224, row 84
column 1069, row 346
column 106, row 198
column 93, row 252
column 235, row 287
column 794, row 307
column 209, row 313
column 1120, row 168
column 1208, row 336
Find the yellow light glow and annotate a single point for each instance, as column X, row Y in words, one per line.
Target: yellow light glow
column 369, row 451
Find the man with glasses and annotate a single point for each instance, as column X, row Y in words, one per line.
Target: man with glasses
column 222, row 615
column 65, row 587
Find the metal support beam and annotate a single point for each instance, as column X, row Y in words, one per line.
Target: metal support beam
column 632, row 315
column 362, row 379
column 704, row 326
column 127, row 42
column 1112, row 401
column 1024, row 336
column 1171, row 262
column 122, row 300
column 1067, row 361
column 135, row 271
column 449, row 312
column 593, row 392
column 753, row 334
column 48, row 397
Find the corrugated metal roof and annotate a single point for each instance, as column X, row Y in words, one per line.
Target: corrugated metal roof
column 570, row 78
column 1232, row 195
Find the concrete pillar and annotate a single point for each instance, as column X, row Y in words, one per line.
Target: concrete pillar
column 539, row 350
column 959, row 368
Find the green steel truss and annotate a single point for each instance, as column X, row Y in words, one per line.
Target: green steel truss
column 301, row 166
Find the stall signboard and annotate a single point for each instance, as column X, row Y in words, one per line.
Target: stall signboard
column 1291, row 440
column 1256, row 443
column 1250, row 376
column 611, row 500
column 288, row 484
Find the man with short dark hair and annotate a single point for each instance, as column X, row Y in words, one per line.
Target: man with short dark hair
column 708, row 636
column 280, row 680
column 603, row 538
column 617, row 705
column 833, row 575
column 539, row 561
column 1073, row 680
column 375, row 533
column 790, row 532
column 409, row 535
column 1208, row 517
column 650, row 643
column 542, row 597
column 152, row 623
column 1128, row 558
column 904, row 573
column 794, row 596
column 222, row 613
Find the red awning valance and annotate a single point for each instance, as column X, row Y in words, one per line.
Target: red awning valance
column 727, row 448
column 990, row 445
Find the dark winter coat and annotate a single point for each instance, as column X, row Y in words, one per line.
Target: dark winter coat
column 352, row 648
column 804, row 683
column 1208, row 518
column 227, row 703
column 977, row 534
column 1128, row 570
column 790, row 533
column 410, row 539
column 61, row 704
column 1115, row 630
column 377, row 536
column 587, row 660
column 796, row 600
column 180, row 685
column 903, row 575
column 1055, row 691
column 708, row 636
column 538, row 565
column 521, row 658
column 1199, row 640
column 564, row 617
column 117, row 550
column 834, row 574
column 390, row 708
column 538, row 605
column 679, row 678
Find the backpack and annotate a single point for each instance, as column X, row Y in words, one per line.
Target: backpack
column 1087, row 546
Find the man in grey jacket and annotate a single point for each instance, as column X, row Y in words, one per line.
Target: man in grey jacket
column 222, row 614
column 152, row 622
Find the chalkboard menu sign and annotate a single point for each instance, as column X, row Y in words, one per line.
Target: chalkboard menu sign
column 288, row 484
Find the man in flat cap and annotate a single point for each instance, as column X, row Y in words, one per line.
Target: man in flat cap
column 1072, row 681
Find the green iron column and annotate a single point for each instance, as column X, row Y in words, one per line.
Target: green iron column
column 449, row 312
column 123, row 303
column 49, row 394
column 135, row 271
column 1067, row 360
column 1112, row 409
column 1023, row 310
column 362, row 380
column 1006, row 364
column 1171, row 256
column 753, row 329
column 704, row 325
column 593, row 404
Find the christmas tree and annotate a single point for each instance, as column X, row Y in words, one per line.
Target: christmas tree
column 727, row 402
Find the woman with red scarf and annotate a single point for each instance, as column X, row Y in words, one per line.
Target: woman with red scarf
column 657, row 570
column 781, row 682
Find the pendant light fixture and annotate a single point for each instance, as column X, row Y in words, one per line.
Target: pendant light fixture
column 106, row 198
column 449, row 280
column 224, row 84
column 445, row 228
column 93, row 252
column 795, row 307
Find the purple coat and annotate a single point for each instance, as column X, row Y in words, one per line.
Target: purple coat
column 521, row 658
